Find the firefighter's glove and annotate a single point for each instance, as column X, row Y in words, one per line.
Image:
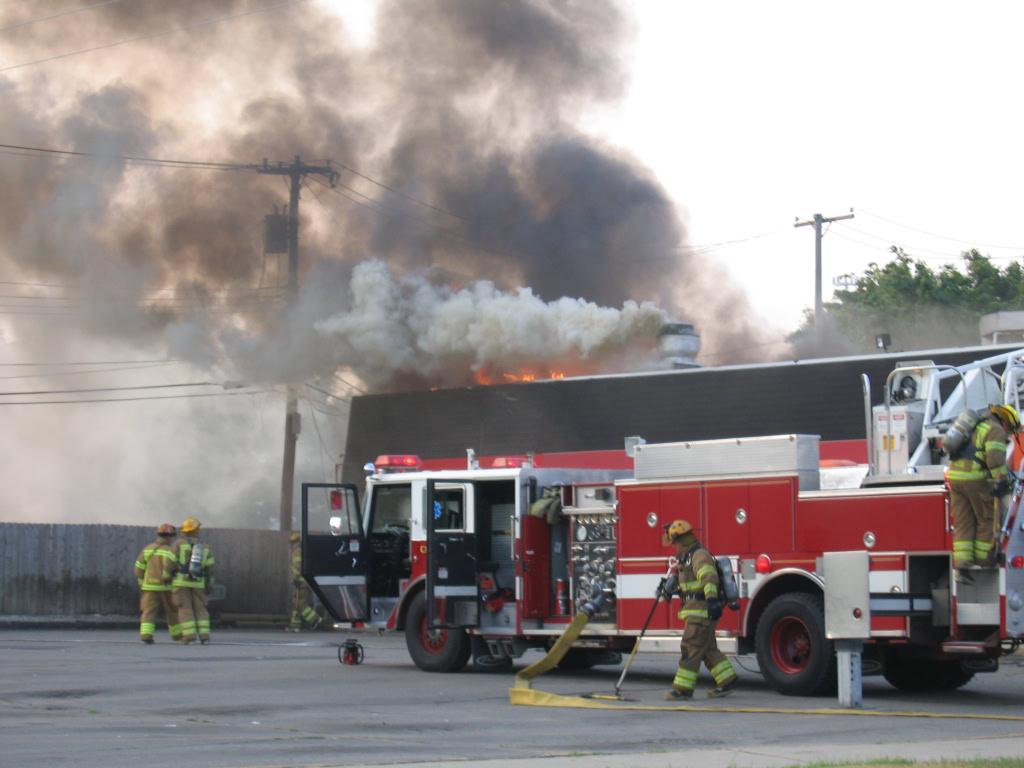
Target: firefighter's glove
column 714, row 609
column 1001, row 488
column 668, row 587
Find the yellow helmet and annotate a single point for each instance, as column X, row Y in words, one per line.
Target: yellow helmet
column 190, row 525
column 1006, row 414
column 674, row 530
column 295, row 536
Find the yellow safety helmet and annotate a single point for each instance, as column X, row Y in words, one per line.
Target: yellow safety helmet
column 190, row 525
column 1006, row 414
column 295, row 536
column 674, row 530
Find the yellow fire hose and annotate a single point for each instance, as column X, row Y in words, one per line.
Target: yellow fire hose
column 522, row 694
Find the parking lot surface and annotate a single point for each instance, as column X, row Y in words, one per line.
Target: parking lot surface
column 98, row 698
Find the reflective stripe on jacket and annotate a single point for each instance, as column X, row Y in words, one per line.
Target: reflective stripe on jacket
column 154, row 567
column 697, row 573
column 182, row 551
column 988, row 454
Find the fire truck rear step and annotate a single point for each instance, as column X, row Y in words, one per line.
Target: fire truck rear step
column 965, row 647
column 899, row 604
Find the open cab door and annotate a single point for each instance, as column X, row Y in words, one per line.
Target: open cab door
column 453, row 592
column 335, row 554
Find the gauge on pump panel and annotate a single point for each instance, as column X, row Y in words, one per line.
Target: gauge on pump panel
column 581, row 532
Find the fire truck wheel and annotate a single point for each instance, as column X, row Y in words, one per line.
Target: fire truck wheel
column 438, row 650
column 918, row 675
column 793, row 653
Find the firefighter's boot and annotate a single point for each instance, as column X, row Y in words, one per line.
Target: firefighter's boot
column 726, row 689
column 679, row 694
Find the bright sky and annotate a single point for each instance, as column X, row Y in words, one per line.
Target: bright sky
column 754, row 113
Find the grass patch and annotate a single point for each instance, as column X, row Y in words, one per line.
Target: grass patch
column 1005, row 762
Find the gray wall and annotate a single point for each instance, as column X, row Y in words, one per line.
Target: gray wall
column 76, row 570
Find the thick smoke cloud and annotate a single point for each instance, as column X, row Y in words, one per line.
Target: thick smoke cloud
column 495, row 206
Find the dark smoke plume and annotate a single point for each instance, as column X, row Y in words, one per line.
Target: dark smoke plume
column 466, row 110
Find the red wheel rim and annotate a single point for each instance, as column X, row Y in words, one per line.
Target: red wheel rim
column 791, row 645
column 432, row 640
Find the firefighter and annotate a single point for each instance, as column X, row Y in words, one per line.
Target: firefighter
column 977, row 481
column 696, row 578
column 302, row 596
column 193, row 580
column 154, row 569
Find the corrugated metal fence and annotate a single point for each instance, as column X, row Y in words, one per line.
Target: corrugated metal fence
column 78, row 570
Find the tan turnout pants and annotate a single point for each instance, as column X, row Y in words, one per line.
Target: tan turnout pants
column 150, row 604
column 192, row 613
column 699, row 645
column 975, row 521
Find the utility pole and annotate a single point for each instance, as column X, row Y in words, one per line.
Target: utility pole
column 292, row 423
column 817, row 221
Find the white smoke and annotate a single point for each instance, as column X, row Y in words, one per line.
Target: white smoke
column 409, row 325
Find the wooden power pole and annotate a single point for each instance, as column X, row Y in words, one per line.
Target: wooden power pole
column 292, row 423
column 816, row 222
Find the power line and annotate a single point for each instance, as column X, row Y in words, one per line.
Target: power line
column 150, row 35
column 395, row 191
column 942, row 237
column 130, row 158
column 90, row 362
column 110, row 389
column 349, row 384
column 711, row 246
column 53, row 374
column 130, row 399
column 57, row 15
column 325, row 392
column 914, row 248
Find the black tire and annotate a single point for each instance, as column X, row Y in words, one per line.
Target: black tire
column 918, row 675
column 793, row 653
column 443, row 650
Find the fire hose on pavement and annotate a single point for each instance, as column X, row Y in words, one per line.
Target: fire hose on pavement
column 522, row 694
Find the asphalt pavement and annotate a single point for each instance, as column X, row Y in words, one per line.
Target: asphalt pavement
column 98, row 698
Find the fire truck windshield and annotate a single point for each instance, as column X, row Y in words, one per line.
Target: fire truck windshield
column 392, row 508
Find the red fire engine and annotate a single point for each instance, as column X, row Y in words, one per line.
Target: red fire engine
column 454, row 559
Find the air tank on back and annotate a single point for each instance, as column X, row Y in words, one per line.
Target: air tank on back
column 678, row 346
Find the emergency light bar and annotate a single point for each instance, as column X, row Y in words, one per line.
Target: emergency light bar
column 398, row 463
column 510, row 462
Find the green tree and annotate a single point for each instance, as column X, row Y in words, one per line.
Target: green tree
column 917, row 306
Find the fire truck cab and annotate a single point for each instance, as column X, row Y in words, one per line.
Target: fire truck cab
column 452, row 558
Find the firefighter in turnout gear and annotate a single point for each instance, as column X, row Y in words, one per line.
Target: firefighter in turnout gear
column 154, row 569
column 977, row 481
column 302, row 595
column 194, row 578
column 696, row 578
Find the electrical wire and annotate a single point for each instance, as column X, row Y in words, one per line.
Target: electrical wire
column 941, row 237
column 58, row 15
column 151, row 35
column 325, row 392
column 90, row 362
column 349, row 384
column 382, row 185
column 54, row 374
column 133, row 158
column 885, row 248
column 913, row 248
column 110, row 389
column 130, row 399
